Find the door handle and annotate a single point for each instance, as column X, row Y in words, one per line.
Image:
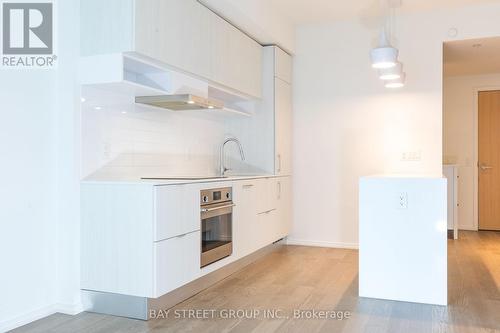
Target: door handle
column 484, row 167
column 279, row 162
column 204, row 210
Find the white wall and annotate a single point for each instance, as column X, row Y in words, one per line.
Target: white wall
column 38, row 243
column 459, row 127
column 346, row 125
column 128, row 141
column 28, row 211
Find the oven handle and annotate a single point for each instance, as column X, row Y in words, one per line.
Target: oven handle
column 204, row 210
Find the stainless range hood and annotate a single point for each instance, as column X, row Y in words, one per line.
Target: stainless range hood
column 180, row 102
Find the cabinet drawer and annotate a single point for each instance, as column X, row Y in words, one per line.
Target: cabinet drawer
column 177, row 211
column 267, row 226
column 177, row 262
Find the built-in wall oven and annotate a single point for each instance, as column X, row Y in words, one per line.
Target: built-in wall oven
column 216, row 224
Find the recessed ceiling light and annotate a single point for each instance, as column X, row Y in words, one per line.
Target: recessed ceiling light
column 210, row 107
column 190, row 102
column 124, row 112
column 97, row 108
column 82, row 99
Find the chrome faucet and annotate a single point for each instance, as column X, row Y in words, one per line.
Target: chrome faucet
column 223, row 168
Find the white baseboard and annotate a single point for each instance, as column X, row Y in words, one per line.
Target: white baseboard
column 10, row 324
column 303, row 242
column 69, row 309
column 467, row 228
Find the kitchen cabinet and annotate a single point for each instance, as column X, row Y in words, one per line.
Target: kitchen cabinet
column 245, row 196
column 177, row 211
column 276, row 222
column 183, row 34
column 177, row 262
column 142, row 239
column 236, row 59
column 282, row 65
column 174, row 32
column 283, row 207
column 283, row 127
column 270, row 129
column 281, row 81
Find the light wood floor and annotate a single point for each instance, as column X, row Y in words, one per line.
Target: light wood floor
column 297, row 277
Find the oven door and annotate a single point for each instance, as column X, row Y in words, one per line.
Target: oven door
column 216, row 232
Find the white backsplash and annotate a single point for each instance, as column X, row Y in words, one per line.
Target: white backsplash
column 126, row 141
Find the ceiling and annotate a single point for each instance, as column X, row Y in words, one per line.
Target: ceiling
column 472, row 57
column 274, row 21
column 316, row 11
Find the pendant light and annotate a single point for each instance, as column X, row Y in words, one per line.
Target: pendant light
column 391, row 73
column 384, row 56
column 396, row 83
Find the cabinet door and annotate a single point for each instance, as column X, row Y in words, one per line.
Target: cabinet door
column 177, row 211
column 245, row 233
column 283, row 127
column 283, row 65
column 284, row 207
column 174, row 32
column 236, row 59
column 177, row 262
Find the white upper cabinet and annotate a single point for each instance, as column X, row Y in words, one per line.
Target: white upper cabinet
column 174, row 32
column 283, row 65
column 236, row 59
column 183, row 34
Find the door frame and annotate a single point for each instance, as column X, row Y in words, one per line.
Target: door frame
column 475, row 206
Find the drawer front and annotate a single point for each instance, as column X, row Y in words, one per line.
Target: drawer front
column 177, row 262
column 177, row 211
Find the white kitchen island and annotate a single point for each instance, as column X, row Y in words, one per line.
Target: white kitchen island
column 403, row 238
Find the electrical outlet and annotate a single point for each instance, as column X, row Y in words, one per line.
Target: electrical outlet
column 411, row 156
column 402, row 201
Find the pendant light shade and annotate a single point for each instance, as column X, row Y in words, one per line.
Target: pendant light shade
column 384, row 56
column 391, row 73
column 396, row 83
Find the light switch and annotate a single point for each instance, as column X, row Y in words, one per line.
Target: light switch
column 402, row 200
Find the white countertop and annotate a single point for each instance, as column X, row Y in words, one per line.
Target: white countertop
column 174, row 181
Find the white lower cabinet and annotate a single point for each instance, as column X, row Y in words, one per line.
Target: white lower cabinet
column 177, row 210
column 262, row 214
column 144, row 240
column 284, row 207
column 245, row 197
column 177, row 262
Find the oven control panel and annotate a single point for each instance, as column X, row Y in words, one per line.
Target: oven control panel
column 211, row 196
